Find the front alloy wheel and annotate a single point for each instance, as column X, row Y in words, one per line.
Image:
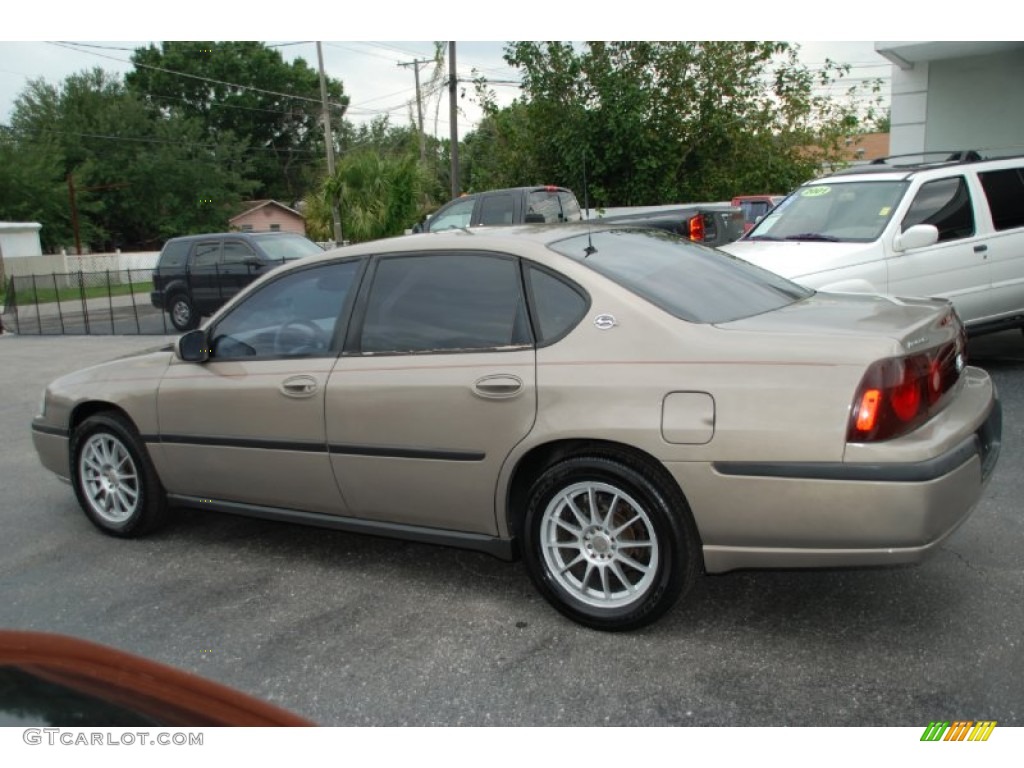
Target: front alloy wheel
column 115, row 481
column 110, row 480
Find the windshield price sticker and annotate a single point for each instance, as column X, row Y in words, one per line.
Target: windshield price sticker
column 816, row 191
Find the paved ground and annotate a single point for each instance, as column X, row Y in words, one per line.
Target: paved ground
column 352, row 630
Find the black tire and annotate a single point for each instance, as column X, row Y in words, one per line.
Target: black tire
column 598, row 570
column 114, row 479
column 183, row 313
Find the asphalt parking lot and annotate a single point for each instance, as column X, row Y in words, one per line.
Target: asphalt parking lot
column 353, row 630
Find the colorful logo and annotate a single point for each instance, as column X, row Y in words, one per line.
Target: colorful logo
column 958, row 730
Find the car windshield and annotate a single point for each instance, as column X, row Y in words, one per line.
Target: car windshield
column 288, row 247
column 689, row 281
column 848, row 212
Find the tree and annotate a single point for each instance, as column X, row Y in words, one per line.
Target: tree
column 140, row 176
column 663, row 122
column 379, row 193
column 247, row 90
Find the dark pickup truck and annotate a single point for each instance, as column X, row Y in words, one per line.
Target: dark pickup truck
column 710, row 224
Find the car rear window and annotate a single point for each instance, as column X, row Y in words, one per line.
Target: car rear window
column 692, row 282
column 174, row 254
column 286, row 248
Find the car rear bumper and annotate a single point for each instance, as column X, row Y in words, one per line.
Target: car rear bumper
column 839, row 515
column 156, row 298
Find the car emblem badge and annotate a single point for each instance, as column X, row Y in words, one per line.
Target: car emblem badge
column 959, row 363
column 604, row 322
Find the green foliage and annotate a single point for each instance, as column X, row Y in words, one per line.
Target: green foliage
column 140, row 176
column 280, row 123
column 661, row 122
column 380, row 196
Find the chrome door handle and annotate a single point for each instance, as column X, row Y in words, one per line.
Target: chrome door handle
column 299, row 386
column 499, row 385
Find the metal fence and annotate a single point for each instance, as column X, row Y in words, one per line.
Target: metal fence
column 109, row 302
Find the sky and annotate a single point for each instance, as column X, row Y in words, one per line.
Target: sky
column 65, row 38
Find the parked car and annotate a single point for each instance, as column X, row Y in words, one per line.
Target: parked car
column 711, row 224
column 755, row 207
column 623, row 408
column 196, row 274
column 950, row 227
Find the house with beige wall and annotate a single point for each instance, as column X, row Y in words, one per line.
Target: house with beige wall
column 268, row 216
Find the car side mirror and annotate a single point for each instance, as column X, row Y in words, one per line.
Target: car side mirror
column 193, row 347
column 917, row 236
column 252, row 261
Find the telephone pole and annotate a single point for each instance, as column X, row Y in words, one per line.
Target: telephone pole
column 329, row 140
column 453, row 116
column 415, row 64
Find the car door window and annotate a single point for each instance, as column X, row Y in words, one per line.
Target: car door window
column 455, row 216
column 236, row 252
column 946, row 204
column 1004, row 191
column 557, row 306
column 497, row 210
column 294, row 316
column 444, row 302
column 206, row 256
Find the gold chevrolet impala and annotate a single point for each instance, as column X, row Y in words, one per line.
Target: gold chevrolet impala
column 619, row 407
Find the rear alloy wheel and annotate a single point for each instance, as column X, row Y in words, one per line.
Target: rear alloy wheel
column 183, row 313
column 608, row 543
column 114, row 479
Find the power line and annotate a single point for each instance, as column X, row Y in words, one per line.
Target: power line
column 72, row 47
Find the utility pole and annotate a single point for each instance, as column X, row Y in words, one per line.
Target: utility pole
column 74, row 204
column 329, row 140
column 415, row 64
column 453, row 117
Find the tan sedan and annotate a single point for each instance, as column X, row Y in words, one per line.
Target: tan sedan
column 621, row 408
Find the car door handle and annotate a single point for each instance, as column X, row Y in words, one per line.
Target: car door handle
column 980, row 248
column 299, row 386
column 499, row 385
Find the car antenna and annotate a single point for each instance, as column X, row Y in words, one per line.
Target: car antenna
column 586, row 206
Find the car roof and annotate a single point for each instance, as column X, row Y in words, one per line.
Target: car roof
column 906, row 166
column 208, row 235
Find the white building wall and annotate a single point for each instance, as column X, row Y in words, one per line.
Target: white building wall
column 977, row 103
column 907, row 132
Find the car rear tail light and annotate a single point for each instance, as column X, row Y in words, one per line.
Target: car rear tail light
column 696, row 227
column 898, row 394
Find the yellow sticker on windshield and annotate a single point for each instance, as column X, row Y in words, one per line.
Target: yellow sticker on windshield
column 885, row 210
column 816, row 191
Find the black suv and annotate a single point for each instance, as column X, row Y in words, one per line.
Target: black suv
column 196, row 274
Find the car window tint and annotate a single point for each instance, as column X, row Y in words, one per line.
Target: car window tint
column 206, row 255
column 544, row 203
column 557, row 306
column 570, row 207
column 946, row 204
column 444, row 302
column 855, row 212
column 174, row 254
column 455, row 216
column 1004, row 191
column 236, row 252
column 496, row 210
column 287, row 247
column 289, row 317
column 687, row 280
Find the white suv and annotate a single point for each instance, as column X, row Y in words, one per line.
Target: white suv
column 952, row 229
